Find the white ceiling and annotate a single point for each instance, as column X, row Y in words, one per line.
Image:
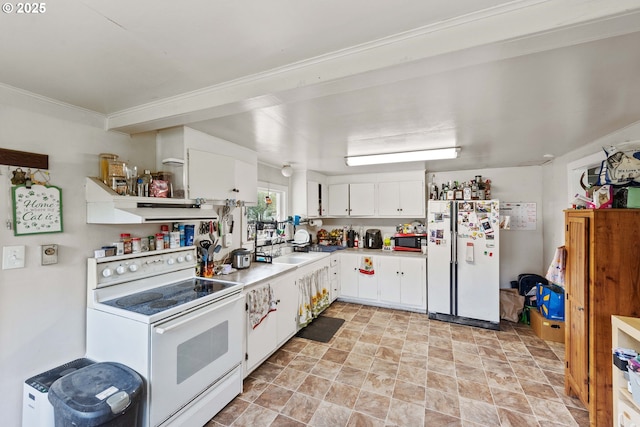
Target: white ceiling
column 308, row 82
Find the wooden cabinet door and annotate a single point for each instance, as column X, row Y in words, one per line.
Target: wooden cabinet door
column 246, row 182
column 211, row 176
column 577, row 316
column 412, row 200
column 388, row 199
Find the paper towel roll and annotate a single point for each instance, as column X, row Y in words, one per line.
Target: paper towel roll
column 315, row 222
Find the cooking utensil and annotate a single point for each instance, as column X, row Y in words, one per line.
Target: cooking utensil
column 205, row 243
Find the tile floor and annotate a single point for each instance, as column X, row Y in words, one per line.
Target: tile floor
column 395, row 368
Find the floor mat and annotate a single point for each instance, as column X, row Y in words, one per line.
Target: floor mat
column 321, row 329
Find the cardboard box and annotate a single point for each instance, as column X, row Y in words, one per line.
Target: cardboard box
column 547, row 329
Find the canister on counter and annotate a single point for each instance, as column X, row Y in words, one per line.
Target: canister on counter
column 152, row 243
column 181, row 230
column 119, row 247
column 145, row 244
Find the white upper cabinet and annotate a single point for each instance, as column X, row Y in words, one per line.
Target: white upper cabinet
column 217, row 177
column 401, row 199
column 362, row 199
column 209, row 174
column 339, row 200
column 309, row 194
column 356, row 199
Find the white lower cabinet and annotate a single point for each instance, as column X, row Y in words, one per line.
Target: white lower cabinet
column 334, row 276
column 353, row 283
column 397, row 282
column 277, row 327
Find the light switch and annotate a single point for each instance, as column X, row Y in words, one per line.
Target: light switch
column 49, row 254
column 13, row 257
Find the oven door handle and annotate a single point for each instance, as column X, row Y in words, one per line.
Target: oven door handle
column 160, row 330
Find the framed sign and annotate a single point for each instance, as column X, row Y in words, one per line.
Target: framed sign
column 37, row 210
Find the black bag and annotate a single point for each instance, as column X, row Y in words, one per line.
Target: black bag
column 528, row 281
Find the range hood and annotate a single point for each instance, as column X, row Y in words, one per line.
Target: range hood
column 105, row 206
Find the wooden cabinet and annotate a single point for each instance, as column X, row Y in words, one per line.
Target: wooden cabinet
column 356, row 199
column 625, row 333
column 218, row 177
column 401, row 199
column 601, row 280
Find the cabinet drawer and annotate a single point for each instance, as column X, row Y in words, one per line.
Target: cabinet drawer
column 628, row 416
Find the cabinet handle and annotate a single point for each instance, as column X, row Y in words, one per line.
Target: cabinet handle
column 580, row 308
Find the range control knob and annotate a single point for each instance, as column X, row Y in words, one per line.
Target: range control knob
column 180, row 259
column 121, row 269
column 133, row 267
column 189, row 257
column 107, row 272
column 171, row 261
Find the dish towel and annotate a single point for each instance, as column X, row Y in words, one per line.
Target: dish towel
column 555, row 273
column 366, row 265
column 261, row 303
column 313, row 295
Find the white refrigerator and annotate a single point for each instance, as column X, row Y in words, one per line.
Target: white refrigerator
column 463, row 283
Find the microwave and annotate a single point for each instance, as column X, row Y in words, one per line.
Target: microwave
column 409, row 242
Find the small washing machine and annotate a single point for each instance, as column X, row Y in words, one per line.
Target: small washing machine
column 37, row 411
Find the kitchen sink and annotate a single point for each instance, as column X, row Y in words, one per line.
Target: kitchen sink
column 299, row 258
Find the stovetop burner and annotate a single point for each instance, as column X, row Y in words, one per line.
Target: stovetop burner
column 131, row 300
column 158, row 299
column 163, row 303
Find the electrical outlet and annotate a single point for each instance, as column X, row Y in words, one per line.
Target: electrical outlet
column 13, row 257
column 49, row 254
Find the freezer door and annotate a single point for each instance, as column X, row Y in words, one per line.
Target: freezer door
column 478, row 269
column 439, row 282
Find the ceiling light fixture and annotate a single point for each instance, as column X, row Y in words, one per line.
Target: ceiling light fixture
column 407, row 156
column 287, row 170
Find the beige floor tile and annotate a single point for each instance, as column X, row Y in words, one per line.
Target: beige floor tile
column 392, row 368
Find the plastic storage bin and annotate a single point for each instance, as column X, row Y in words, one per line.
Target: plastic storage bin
column 102, row 394
column 550, row 300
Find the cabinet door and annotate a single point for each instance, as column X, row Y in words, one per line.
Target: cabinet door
column 334, row 276
column 339, row 199
column 313, row 199
column 211, row 176
column 286, row 294
column 577, row 285
column 362, row 199
column 388, row 199
column 349, row 275
column 412, row 198
column 367, row 286
column 413, row 282
column 389, row 273
column 261, row 341
column 245, row 182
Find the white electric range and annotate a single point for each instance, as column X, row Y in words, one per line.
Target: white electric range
column 181, row 333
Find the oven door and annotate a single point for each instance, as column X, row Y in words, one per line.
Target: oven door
column 191, row 352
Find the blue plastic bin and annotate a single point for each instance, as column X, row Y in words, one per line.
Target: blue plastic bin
column 550, row 300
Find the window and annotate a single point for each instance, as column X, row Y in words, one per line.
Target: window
column 271, row 207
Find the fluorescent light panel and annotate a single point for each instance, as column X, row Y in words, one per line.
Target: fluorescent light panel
column 407, row 156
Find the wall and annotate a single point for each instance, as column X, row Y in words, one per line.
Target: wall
column 520, row 251
column 555, row 183
column 42, row 308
